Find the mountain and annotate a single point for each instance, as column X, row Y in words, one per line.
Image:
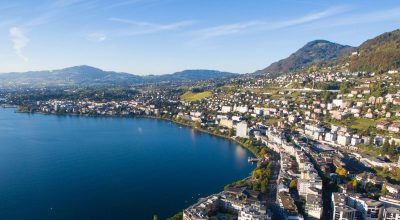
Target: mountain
column 200, row 74
column 313, row 52
column 379, row 54
column 78, row 75
column 89, row 76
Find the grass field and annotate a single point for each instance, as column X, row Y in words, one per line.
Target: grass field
column 191, row 97
column 364, row 123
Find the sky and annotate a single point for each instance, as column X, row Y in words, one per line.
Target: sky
column 164, row 36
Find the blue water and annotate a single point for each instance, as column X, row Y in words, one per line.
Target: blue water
column 70, row 167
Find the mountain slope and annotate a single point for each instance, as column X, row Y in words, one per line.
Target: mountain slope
column 380, row 54
column 78, row 75
column 89, row 76
column 313, row 52
column 200, row 74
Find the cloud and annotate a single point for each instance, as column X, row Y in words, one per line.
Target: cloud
column 96, row 37
column 20, row 41
column 140, row 28
column 377, row 16
column 49, row 11
column 259, row 25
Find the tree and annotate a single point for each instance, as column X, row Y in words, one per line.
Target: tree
column 263, row 187
column 263, row 151
column 354, row 184
column 385, row 170
column 257, row 174
column 341, row 171
column 197, row 124
column 327, row 96
column 384, row 190
column 255, row 186
column 293, row 184
column 371, row 140
column 344, row 87
column 231, row 132
column 368, row 186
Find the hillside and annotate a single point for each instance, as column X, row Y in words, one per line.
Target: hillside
column 190, row 75
column 379, row 54
column 90, row 76
column 313, row 52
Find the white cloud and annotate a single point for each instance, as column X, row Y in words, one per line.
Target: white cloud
column 258, row 25
column 96, row 37
column 140, row 28
column 20, row 41
column 392, row 14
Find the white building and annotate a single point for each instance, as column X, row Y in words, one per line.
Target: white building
column 330, row 137
column 391, row 213
column 226, row 109
column 253, row 213
column 241, row 109
column 370, row 209
column 314, row 206
column 241, row 129
column 341, row 211
column 344, row 139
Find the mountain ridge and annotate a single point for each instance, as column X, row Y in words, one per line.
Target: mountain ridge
column 312, row 52
column 378, row 54
column 88, row 75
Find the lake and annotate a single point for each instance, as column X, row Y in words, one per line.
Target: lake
column 71, row 167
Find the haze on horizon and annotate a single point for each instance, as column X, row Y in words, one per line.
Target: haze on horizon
column 156, row 37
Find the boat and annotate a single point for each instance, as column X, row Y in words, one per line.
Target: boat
column 253, row 160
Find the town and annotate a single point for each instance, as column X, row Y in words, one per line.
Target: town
column 326, row 143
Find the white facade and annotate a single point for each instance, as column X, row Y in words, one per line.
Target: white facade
column 343, row 139
column 330, row 137
column 226, row 109
column 241, row 129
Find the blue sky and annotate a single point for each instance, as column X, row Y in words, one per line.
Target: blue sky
column 164, row 36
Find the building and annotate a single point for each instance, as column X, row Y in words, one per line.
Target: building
column 391, row 213
column 226, row 123
column 246, row 203
column 241, row 129
column 341, row 211
column 226, row 109
column 314, row 206
column 368, row 208
column 288, row 207
column 344, row 139
column 254, row 212
column 330, row 137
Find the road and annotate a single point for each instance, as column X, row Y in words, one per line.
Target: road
column 272, row 187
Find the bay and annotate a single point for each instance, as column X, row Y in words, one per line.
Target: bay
column 71, row 167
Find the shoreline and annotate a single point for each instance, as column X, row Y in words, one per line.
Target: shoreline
column 147, row 117
column 177, row 123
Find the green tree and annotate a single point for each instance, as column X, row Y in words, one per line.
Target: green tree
column 385, row 146
column 231, row 132
column 354, row 184
column 257, row 174
column 344, row 87
column 384, row 190
column 177, row 216
column 263, row 186
column 263, row 151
